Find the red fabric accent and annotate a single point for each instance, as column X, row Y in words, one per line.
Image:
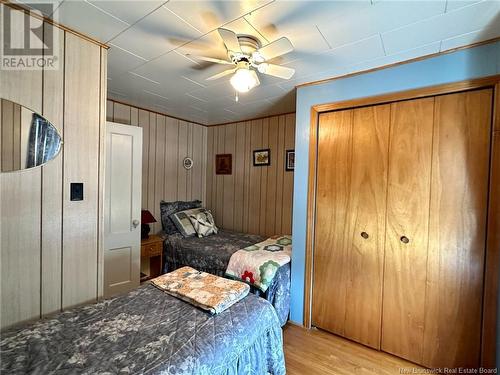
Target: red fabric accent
column 248, row 276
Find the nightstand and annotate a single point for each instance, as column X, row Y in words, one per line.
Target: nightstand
column 152, row 250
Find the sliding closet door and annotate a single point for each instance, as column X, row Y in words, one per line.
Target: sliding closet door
column 331, row 244
column 366, row 224
column 457, row 229
column 351, row 211
column 407, row 228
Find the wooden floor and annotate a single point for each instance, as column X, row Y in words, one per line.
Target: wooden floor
column 318, row 352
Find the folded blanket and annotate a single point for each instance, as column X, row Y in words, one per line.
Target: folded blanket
column 209, row 292
column 257, row 264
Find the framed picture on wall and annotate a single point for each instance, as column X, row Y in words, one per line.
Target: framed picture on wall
column 262, row 157
column 224, row 164
column 290, row 160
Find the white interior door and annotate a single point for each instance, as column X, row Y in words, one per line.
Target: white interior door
column 122, row 208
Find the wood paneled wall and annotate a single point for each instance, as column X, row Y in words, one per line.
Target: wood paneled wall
column 10, row 127
column 252, row 199
column 166, row 142
column 50, row 257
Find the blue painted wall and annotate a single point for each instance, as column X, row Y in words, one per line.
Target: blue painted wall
column 458, row 66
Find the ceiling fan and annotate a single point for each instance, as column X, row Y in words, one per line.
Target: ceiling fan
column 247, row 56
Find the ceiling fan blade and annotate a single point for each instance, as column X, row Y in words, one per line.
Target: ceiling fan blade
column 277, row 48
column 222, row 74
column 210, row 59
column 230, row 40
column 276, row 70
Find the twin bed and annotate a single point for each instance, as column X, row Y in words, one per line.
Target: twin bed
column 212, row 254
column 149, row 331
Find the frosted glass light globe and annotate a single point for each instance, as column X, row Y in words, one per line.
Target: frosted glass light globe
column 244, row 80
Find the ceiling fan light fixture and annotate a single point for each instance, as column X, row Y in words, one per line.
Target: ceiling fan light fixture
column 244, row 80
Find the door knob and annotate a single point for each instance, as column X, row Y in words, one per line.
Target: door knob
column 404, row 239
column 135, row 223
column 364, row 235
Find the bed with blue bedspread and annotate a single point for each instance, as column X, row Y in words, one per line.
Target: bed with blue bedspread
column 148, row 332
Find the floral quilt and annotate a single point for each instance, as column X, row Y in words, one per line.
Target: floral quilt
column 211, row 254
column 209, row 292
column 257, row 264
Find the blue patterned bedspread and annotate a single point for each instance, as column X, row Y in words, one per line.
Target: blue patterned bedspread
column 148, row 332
column 212, row 254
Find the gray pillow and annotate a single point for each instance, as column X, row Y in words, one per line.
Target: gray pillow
column 169, row 208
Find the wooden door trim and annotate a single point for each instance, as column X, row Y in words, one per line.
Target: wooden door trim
column 492, row 260
column 447, row 88
column 491, row 287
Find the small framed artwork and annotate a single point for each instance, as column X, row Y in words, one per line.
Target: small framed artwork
column 224, row 164
column 290, row 160
column 262, row 157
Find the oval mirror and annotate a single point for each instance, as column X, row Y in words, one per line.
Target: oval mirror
column 27, row 140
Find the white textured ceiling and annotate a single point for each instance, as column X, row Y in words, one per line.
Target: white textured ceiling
column 149, row 40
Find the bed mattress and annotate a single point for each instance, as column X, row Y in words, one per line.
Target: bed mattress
column 148, row 332
column 212, row 254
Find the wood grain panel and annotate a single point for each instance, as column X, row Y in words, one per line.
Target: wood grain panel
column 20, row 258
column 252, row 199
column 159, row 175
column 109, row 110
column 9, row 140
column 20, row 202
column 457, row 229
column 18, row 142
column 228, row 183
column 248, row 168
column 407, row 215
column 268, row 226
column 22, row 86
column 35, row 200
column 122, row 113
column 219, row 179
column 263, row 177
column 280, row 174
column 255, row 179
column 171, row 165
column 52, row 190
column 152, row 167
column 367, row 213
column 144, row 124
column 134, row 116
column 189, row 151
column 490, row 343
column 81, row 132
column 286, row 223
column 210, row 166
column 332, row 208
column 102, row 154
column 182, row 183
column 239, row 178
column 215, row 142
column 197, row 172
